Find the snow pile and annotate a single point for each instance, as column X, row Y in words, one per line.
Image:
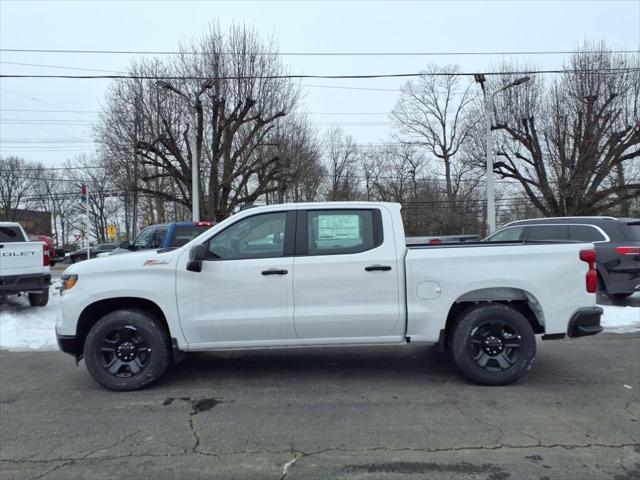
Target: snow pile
column 621, row 319
column 23, row 327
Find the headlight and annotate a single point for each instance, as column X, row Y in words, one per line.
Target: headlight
column 68, row 282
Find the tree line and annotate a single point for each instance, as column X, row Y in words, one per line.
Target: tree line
column 566, row 144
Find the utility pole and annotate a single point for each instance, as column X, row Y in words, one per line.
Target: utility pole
column 488, row 106
column 136, row 158
column 195, row 156
column 84, row 198
column 196, row 107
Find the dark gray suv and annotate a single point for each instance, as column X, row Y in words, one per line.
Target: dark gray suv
column 617, row 243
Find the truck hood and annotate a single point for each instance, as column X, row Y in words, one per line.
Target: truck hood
column 123, row 263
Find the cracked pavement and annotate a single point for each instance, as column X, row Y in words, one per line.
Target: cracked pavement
column 369, row 412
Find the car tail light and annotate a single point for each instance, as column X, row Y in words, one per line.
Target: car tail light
column 204, row 224
column 46, row 259
column 435, row 241
column 589, row 256
column 628, row 250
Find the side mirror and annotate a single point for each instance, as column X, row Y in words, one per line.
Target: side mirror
column 125, row 245
column 197, row 254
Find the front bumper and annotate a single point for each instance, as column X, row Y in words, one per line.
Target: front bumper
column 585, row 322
column 67, row 344
column 12, row 284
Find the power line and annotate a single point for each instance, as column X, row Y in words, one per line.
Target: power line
column 46, row 111
column 56, row 140
column 301, row 76
column 99, row 111
column 34, row 99
column 35, row 123
column 303, row 54
column 62, row 67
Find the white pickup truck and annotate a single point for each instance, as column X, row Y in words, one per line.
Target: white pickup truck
column 24, row 265
column 324, row 274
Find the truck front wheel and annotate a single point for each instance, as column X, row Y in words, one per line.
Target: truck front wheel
column 126, row 349
column 493, row 344
column 39, row 299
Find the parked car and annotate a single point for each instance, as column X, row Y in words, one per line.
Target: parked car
column 165, row 235
column 81, row 254
column 323, row 274
column 49, row 241
column 24, row 265
column 616, row 240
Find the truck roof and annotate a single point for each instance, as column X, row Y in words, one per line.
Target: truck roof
column 325, row 205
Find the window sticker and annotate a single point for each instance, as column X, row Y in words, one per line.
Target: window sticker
column 338, row 227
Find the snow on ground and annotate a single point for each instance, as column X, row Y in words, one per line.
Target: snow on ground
column 23, row 327
column 621, row 319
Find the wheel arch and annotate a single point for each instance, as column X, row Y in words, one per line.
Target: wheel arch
column 94, row 312
column 518, row 299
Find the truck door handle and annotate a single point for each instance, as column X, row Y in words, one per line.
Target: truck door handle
column 274, row 271
column 373, row 268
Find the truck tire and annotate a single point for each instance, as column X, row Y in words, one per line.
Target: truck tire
column 493, row 344
column 39, row 299
column 127, row 349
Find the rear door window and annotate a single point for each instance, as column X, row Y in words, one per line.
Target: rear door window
column 10, row 235
column 546, row 232
column 333, row 232
column 585, row 233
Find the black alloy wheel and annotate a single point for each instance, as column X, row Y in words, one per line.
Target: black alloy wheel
column 124, row 352
column 495, row 346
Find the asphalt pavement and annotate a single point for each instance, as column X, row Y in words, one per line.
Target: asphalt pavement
column 362, row 413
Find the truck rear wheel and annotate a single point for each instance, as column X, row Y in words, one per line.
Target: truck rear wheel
column 493, row 344
column 127, row 350
column 39, row 299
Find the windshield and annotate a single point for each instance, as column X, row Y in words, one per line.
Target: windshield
column 144, row 239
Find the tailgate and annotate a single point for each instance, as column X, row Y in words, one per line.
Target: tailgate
column 21, row 258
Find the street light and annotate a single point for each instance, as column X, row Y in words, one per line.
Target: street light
column 196, row 106
column 488, row 104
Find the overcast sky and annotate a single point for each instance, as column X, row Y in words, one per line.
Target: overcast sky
column 50, row 119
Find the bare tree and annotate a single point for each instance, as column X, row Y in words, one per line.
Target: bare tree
column 432, row 112
column 57, row 194
column 295, row 146
column 341, row 159
column 103, row 199
column 572, row 144
column 18, row 178
column 238, row 98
